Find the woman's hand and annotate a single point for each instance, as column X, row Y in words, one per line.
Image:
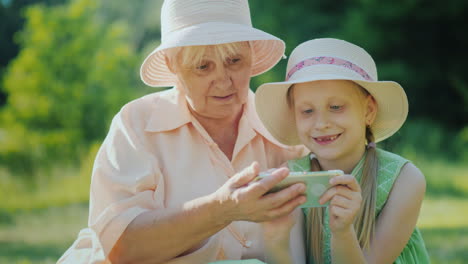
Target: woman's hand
column 277, row 230
column 345, row 202
column 242, row 198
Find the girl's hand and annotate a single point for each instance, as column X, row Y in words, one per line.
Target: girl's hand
column 345, row 202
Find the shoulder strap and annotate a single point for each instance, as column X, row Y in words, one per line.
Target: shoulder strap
column 300, row 164
column 390, row 166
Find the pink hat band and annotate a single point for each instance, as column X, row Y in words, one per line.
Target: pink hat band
column 328, row 61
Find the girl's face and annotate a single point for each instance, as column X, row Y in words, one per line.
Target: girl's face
column 331, row 118
column 217, row 87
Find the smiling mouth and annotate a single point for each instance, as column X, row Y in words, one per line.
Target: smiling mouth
column 324, row 140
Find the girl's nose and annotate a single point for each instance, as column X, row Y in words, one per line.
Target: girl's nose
column 322, row 120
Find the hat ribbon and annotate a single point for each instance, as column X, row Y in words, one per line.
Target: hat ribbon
column 330, row 61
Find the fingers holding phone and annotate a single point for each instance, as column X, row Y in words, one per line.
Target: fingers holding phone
column 315, row 183
column 344, row 199
column 244, row 198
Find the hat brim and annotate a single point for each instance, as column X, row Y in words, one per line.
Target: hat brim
column 278, row 118
column 267, row 48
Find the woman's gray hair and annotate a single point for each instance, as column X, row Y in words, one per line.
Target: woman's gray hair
column 192, row 56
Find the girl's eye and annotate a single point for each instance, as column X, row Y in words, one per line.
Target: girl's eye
column 336, row 107
column 308, row 111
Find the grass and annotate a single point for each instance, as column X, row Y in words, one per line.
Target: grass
column 61, row 189
column 444, row 213
column 445, row 230
column 447, row 245
column 49, row 188
column 444, row 178
column 40, row 235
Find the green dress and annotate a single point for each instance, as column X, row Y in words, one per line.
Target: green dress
column 389, row 168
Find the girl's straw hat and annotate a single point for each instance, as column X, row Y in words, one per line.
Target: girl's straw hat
column 330, row 59
column 208, row 22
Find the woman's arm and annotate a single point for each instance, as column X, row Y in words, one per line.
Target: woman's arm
column 156, row 238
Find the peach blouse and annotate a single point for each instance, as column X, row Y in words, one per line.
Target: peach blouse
column 156, row 156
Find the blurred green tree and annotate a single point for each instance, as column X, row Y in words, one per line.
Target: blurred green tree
column 71, row 75
column 11, row 21
column 143, row 17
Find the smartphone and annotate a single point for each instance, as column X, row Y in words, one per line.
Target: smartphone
column 317, row 182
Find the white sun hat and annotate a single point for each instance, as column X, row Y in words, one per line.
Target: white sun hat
column 330, row 59
column 208, row 22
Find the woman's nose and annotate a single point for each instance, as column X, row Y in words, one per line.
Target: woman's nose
column 223, row 77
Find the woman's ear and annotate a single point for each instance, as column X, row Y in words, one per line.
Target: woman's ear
column 169, row 64
column 169, row 58
column 371, row 110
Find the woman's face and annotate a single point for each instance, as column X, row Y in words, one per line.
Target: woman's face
column 217, row 87
column 331, row 118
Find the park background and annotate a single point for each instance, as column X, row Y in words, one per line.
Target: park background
column 68, row 66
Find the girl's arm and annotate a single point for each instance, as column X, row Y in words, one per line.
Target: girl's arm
column 278, row 253
column 399, row 216
column 284, row 239
column 394, row 226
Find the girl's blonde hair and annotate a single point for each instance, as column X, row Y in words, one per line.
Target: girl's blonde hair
column 364, row 224
column 192, row 56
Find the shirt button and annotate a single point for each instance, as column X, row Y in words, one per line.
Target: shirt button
column 248, row 243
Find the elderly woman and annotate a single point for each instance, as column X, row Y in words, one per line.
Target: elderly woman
column 174, row 179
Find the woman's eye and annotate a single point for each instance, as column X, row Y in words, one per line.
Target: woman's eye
column 233, row 60
column 307, row 111
column 202, row 67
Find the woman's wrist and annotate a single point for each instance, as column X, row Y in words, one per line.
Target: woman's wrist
column 212, row 209
column 223, row 213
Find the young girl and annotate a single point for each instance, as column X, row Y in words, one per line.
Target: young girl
column 333, row 103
